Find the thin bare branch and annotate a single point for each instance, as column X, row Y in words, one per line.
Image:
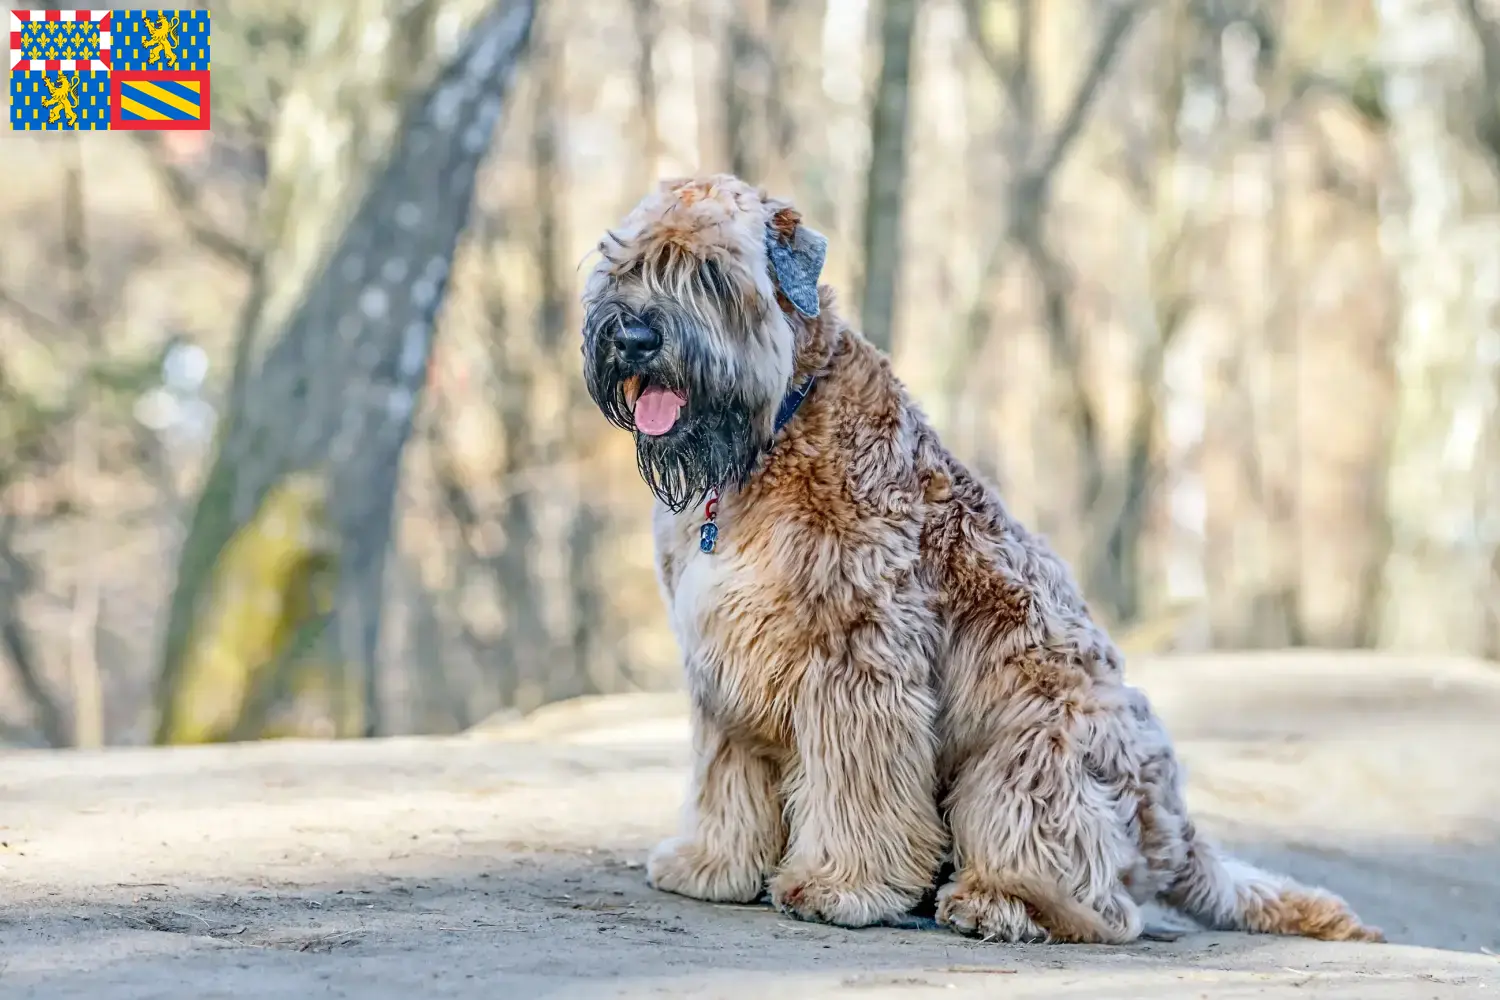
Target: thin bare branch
column 29, row 315
column 187, row 200
column 1106, row 51
column 1000, row 63
column 1486, row 26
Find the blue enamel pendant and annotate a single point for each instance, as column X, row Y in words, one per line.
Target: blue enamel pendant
column 708, row 534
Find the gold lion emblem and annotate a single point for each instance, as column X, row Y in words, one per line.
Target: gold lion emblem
column 63, row 99
column 163, row 40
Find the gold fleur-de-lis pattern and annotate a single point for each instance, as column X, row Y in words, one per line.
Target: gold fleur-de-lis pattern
column 55, row 40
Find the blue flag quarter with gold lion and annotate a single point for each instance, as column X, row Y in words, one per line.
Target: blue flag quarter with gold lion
column 82, row 70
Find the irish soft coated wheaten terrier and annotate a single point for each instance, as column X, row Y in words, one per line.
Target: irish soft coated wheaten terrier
column 886, row 669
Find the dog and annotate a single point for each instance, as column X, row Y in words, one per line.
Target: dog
column 887, row 672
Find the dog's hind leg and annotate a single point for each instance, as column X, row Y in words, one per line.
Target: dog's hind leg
column 866, row 838
column 1040, row 846
column 732, row 826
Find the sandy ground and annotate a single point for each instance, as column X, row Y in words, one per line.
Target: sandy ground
column 507, row 863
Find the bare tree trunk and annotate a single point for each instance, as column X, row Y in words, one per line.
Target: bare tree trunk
column 646, row 15
column 791, row 74
column 1440, row 589
column 522, row 645
column 1039, row 154
column 1280, row 384
column 561, row 673
column 1117, row 573
column 708, row 75
column 83, row 628
column 886, row 179
column 745, row 81
column 327, row 412
column 20, row 649
column 1252, row 525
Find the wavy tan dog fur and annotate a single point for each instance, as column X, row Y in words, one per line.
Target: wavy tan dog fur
column 886, row 669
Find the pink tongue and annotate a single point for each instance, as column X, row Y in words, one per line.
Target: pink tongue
column 656, row 411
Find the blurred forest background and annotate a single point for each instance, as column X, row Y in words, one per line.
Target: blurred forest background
column 293, row 438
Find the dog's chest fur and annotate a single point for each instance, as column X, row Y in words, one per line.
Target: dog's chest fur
column 751, row 618
column 807, row 558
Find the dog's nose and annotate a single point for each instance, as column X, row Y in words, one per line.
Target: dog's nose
column 637, row 342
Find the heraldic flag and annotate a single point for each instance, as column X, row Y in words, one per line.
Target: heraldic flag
column 89, row 70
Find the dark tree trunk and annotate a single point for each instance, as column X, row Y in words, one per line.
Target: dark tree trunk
column 887, row 174
column 332, row 402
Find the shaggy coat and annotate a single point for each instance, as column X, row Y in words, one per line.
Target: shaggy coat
column 887, row 671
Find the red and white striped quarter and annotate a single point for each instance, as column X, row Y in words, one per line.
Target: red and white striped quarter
column 20, row 18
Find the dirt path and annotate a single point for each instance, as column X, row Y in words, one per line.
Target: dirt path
column 506, row 864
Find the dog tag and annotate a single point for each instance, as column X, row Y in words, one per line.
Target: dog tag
column 707, row 536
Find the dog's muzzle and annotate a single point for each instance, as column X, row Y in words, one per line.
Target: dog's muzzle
column 654, row 408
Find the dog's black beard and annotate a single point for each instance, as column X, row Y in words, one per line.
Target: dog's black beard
column 714, row 443
column 710, row 448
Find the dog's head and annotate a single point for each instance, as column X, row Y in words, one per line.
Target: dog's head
column 688, row 337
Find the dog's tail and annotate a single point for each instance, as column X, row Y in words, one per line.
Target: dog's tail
column 1227, row 894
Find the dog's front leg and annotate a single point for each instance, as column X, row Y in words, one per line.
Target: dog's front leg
column 732, row 827
column 866, row 837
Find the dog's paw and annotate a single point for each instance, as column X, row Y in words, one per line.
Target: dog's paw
column 982, row 913
column 685, row 867
column 820, row 897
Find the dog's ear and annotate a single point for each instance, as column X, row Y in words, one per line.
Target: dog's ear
column 797, row 254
